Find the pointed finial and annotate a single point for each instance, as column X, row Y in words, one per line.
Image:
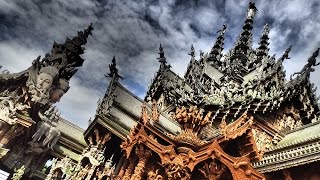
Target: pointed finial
column 75, row 44
column 162, row 59
column 161, row 52
column 252, row 10
column 223, row 30
column 266, row 30
column 286, row 54
column 111, row 157
column 314, row 55
column 113, row 69
column 192, row 52
column 244, row 41
column 216, row 50
column 263, row 49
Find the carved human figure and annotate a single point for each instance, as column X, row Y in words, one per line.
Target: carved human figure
column 39, row 90
column 59, row 91
column 45, row 78
column 213, row 170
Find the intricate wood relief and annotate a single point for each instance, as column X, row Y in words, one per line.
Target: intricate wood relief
column 263, row 141
column 143, row 154
column 154, row 175
column 177, row 169
column 213, row 170
column 236, row 128
column 130, row 168
column 180, row 164
column 192, row 121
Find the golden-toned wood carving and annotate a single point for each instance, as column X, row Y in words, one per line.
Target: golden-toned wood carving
column 144, row 114
column 236, row 128
column 213, row 170
column 177, row 169
column 262, row 140
column 182, row 155
column 155, row 113
column 154, row 175
column 130, row 168
column 192, row 121
column 143, row 154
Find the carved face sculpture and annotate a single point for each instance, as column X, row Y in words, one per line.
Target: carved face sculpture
column 44, row 81
column 56, row 95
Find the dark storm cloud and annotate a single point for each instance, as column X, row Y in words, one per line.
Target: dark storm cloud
column 133, row 30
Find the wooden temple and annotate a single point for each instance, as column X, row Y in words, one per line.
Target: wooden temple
column 232, row 116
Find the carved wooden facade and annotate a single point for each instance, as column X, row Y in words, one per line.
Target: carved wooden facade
column 186, row 155
column 29, row 121
column 226, row 119
column 232, row 116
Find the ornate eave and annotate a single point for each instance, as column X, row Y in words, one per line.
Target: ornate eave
column 302, row 146
column 190, row 148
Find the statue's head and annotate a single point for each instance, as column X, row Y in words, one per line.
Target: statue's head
column 59, row 91
column 46, row 77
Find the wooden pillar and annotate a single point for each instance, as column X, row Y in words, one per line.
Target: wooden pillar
column 143, row 154
column 130, row 168
column 10, row 134
column 3, row 131
column 123, row 168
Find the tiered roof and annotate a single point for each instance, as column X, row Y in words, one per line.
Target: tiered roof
column 243, row 81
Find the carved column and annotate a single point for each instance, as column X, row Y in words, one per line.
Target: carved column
column 143, row 154
column 10, row 134
column 123, row 169
column 90, row 173
column 4, row 127
column 130, row 168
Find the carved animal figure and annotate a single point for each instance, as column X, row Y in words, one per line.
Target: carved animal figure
column 42, row 129
column 52, row 137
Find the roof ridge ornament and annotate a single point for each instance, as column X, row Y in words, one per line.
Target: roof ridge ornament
column 216, row 51
column 192, row 53
column 162, row 59
column 263, row 49
column 312, row 61
column 245, row 38
column 252, row 11
column 113, row 69
column 285, row 54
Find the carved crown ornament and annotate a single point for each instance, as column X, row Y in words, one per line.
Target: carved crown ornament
column 179, row 158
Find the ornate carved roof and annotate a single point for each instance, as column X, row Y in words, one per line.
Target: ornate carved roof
column 244, row 90
column 244, row 79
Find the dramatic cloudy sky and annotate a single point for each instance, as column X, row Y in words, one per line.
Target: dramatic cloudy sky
column 133, row 31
